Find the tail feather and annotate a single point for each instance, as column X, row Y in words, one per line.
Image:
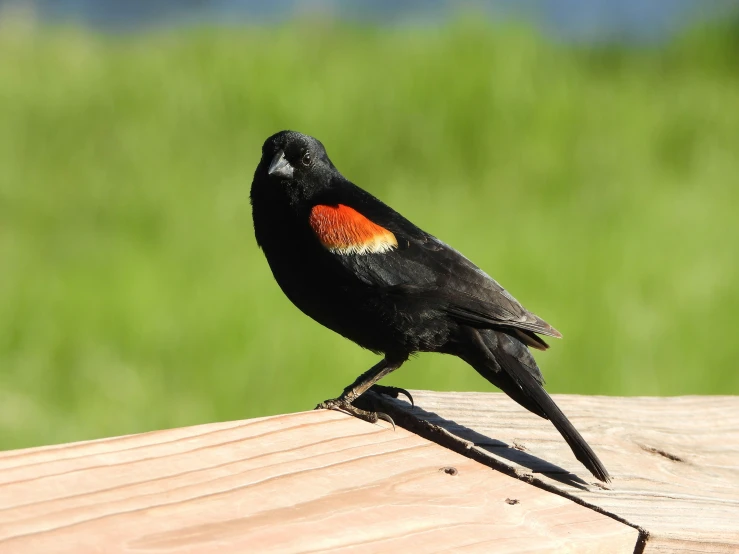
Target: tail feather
column 529, row 338
column 577, row 443
column 508, row 365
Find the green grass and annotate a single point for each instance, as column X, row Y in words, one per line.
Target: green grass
column 598, row 185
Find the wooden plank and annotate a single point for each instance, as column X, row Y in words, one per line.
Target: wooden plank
column 315, row 481
column 674, row 461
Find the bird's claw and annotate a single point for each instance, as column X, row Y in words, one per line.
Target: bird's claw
column 392, row 392
column 346, row 406
column 385, row 417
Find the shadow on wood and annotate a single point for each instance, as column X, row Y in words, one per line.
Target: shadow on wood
column 674, row 461
column 456, row 437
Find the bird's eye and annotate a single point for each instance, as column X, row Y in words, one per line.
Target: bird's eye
column 306, row 159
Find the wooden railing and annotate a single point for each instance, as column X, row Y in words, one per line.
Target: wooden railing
column 326, row 482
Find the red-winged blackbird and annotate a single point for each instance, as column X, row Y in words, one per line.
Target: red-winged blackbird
column 360, row 268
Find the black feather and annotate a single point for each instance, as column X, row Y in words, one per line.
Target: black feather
column 506, row 363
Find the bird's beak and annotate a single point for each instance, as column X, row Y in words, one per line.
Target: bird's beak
column 280, row 166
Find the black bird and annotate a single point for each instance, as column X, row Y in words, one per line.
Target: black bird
column 358, row 267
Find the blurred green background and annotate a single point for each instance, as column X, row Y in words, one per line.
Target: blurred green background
column 598, row 183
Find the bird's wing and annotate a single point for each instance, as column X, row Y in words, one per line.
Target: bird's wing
column 380, row 248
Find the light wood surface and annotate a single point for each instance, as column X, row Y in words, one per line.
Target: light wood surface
column 674, row 461
column 309, row 482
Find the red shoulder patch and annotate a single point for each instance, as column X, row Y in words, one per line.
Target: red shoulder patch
column 343, row 230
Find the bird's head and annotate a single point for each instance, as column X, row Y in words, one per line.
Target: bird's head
column 295, row 164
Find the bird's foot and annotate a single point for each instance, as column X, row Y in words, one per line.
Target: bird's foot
column 344, row 405
column 393, row 392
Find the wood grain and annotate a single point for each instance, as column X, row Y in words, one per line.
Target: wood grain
column 309, row 482
column 674, row 461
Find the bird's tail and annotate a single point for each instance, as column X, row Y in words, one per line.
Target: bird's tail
column 508, row 364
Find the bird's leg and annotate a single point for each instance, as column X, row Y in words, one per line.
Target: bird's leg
column 360, row 385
